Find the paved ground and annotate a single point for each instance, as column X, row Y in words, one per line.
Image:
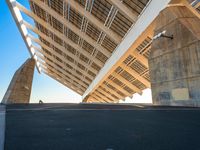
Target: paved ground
column 101, row 127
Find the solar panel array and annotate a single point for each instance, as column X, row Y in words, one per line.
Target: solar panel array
column 74, row 57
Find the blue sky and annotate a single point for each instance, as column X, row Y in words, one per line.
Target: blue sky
column 13, row 55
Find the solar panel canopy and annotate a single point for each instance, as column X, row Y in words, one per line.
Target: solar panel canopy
column 74, row 40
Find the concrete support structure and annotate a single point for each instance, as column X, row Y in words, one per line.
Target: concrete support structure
column 175, row 63
column 19, row 90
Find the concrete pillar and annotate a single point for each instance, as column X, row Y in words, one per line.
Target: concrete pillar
column 175, row 63
column 19, row 90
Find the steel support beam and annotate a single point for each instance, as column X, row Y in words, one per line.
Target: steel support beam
column 142, row 59
column 62, row 65
column 62, row 48
column 63, row 74
column 59, row 56
column 135, row 75
column 67, row 41
column 106, row 94
column 112, row 92
column 21, row 27
column 66, row 23
column 125, row 10
column 126, row 82
column 142, row 28
column 93, row 20
column 102, row 96
column 111, row 82
column 63, row 82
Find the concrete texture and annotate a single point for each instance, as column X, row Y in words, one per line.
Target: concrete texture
column 175, row 63
column 101, row 127
column 2, row 126
column 19, row 90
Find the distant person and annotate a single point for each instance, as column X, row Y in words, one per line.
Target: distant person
column 40, row 102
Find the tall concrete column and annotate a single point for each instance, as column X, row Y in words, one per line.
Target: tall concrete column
column 175, row 63
column 19, row 90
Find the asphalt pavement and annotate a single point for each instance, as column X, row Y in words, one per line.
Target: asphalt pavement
column 101, row 127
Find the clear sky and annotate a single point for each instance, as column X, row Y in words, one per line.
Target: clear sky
column 14, row 53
